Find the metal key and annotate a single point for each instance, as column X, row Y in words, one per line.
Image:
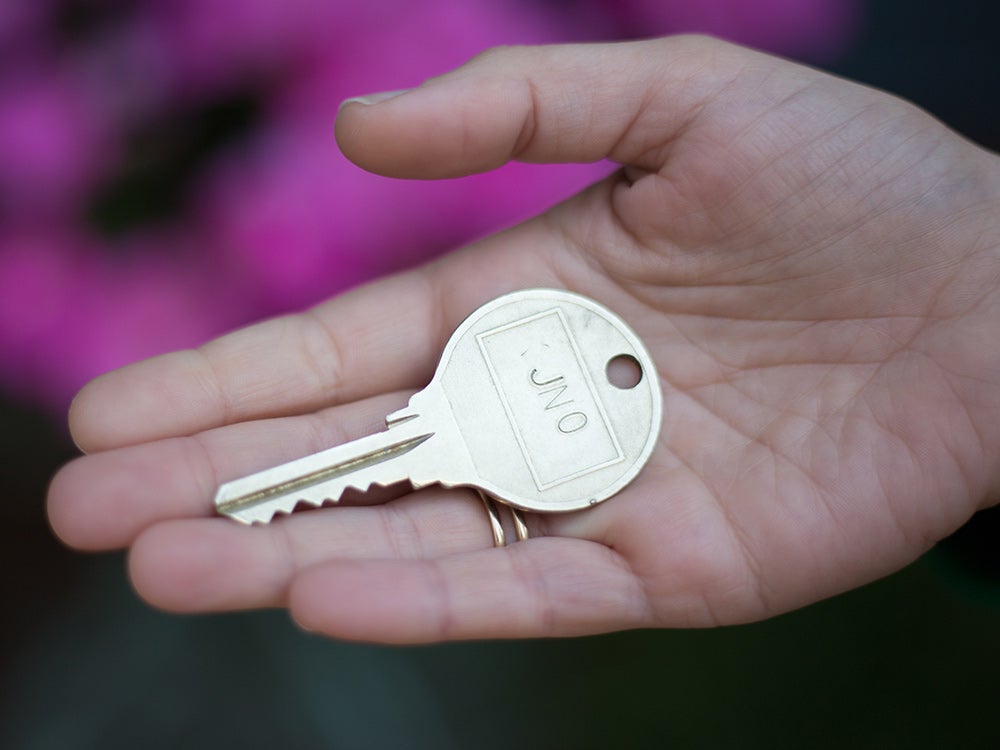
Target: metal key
column 520, row 407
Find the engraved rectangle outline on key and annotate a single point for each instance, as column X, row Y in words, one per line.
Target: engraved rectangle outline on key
column 544, row 483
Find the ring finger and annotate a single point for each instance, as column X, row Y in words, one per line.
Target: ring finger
column 215, row 564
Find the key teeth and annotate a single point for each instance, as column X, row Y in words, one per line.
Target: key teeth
column 259, row 497
column 252, row 516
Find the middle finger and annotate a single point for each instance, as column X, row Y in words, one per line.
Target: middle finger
column 105, row 500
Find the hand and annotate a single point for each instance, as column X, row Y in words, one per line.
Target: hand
column 812, row 263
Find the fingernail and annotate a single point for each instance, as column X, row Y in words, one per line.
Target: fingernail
column 369, row 99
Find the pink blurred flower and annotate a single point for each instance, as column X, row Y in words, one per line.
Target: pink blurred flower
column 21, row 23
column 67, row 314
column 53, row 141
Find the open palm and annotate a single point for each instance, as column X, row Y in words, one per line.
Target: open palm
column 811, row 263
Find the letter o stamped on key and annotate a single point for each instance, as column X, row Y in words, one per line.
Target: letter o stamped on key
column 572, row 422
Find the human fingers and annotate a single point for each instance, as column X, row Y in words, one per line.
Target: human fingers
column 103, row 501
column 194, row 565
column 625, row 102
column 381, row 337
column 543, row 587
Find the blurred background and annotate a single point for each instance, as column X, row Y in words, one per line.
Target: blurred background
column 168, row 171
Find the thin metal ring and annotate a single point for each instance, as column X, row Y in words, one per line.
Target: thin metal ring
column 496, row 525
column 520, row 527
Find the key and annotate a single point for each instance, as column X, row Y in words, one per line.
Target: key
column 521, row 407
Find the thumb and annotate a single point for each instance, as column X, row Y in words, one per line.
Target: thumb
column 566, row 103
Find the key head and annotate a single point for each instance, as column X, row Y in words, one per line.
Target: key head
column 526, row 378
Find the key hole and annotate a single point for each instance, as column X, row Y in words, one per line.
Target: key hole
column 624, row 372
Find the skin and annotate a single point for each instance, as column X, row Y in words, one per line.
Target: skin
column 812, row 264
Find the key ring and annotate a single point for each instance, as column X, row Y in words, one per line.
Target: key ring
column 496, row 525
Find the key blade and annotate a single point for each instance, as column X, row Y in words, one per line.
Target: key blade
column 319, row 478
